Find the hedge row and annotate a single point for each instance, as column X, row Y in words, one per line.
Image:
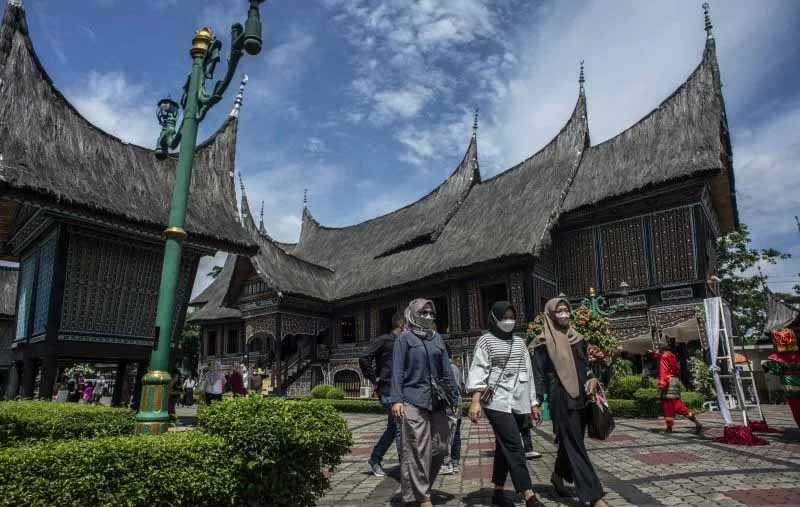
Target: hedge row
column 327, row 391
column 246, row 451
column 646, row 403
column 186, row 468
column 26, row 421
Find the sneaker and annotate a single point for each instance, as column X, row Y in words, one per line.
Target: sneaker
column 446, row 469
column 532, row 455
column 375, row 469
column 456, row 467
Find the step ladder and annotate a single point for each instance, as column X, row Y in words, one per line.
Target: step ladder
column 732, row 376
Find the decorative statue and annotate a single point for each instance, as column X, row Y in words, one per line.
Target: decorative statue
column 785, row 363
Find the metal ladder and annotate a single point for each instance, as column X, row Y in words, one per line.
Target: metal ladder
column 727, row 363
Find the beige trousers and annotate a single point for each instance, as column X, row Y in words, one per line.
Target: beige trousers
column 424, row 436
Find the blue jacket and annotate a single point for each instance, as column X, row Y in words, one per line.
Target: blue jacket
column 411, row 370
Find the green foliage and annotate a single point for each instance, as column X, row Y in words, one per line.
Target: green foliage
column 25, row 421
column 648, row 401
column 623, row 388
column 281, row 448
column 595, row 328
column 623, row 408
column 215, row 271
column 187, row 468
column 187, row 352
column 702, row 378
column 620, row 368
column 740, row 286
column 327, row 391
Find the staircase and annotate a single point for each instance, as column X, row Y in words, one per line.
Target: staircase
column 296, row 365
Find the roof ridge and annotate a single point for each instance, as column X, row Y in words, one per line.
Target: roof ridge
column 472, row 146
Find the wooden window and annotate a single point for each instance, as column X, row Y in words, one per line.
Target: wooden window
column 490, row 294
column 442, row 314
column 385, row 319
column 233, row 342
column 347, row 329
column 211, row 348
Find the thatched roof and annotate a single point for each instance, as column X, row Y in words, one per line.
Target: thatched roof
column 8, row 291
column 53, row 155
column 684, row 136
column 465, row 222
column 215, row 307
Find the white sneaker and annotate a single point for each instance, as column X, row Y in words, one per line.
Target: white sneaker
column 446, row 470
column 532, row 455
column 376, row 469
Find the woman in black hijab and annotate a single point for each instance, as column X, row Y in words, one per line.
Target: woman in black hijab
column 501, row 383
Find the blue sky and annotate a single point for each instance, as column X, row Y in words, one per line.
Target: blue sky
column 368, row 104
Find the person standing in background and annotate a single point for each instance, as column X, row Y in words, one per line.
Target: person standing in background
column 452, row 463
column 376, row 366
column 215, row 384
column 188, row 391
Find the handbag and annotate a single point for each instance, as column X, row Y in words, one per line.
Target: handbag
column 488, row 395
column 601, row 422
column 440, row 398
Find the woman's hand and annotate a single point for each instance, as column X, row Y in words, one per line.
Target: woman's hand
column 591, row 386
column 536, row 415
column 474, row 411
column 397, row 409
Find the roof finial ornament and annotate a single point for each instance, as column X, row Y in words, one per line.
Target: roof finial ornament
column 237, row 102
column 15, row 3
column 241, row 181
column 305, row 198
column 581, row 78
column 709, row 26
column 475, row 123
column 261, row 221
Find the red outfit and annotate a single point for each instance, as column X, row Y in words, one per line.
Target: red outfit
column 237, row 384
column 671, row 403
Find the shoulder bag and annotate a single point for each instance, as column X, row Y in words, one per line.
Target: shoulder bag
column 488, row 394
column 440, row 397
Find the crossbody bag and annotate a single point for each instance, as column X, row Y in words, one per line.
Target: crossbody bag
column 488, row 395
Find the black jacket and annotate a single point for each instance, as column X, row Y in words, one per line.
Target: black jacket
column 376, row 363
column 547, row 381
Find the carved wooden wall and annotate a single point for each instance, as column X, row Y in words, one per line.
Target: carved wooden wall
column 577, row 262
column 623, row 253
column 44, row 283
column 673, row 246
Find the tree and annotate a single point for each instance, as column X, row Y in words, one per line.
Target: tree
column 187, row 350
column 741, row 285
column 215, row 271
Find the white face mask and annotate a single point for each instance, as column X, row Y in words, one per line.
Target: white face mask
column 562, row 318
column 506, row 325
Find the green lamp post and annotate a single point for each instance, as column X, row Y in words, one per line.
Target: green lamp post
column 153, row 415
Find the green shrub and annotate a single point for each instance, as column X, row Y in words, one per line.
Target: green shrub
column 648, row 401
column 623, row 408
column 693, row 400
column 26, row 421
column 335, row 394
column 186, row 468
column 622, row 388
column 321, row 391
column 327, row 392
column 282, row 448
column 620, row 368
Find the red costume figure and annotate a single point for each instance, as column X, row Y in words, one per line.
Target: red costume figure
column 785, row 363
column 237, row 384
column 669, row 383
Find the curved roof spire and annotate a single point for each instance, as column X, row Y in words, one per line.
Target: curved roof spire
column 475, row 123
column 581, row 78
column 237, row 102
column 261, row 228
column 709, row 26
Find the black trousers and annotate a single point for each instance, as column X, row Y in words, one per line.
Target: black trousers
column 572, row 461
column 509, row 455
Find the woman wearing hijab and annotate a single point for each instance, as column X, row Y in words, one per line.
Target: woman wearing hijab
column 562, row 369
column 419, row 363
column 501, row 365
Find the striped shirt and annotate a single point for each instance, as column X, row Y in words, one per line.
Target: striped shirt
column 514, row 386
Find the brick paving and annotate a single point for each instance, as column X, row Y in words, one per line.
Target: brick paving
column 639, row 465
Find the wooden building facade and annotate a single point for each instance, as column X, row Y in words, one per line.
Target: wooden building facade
column 636, row 217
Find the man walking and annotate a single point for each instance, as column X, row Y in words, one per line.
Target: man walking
column 376, row 366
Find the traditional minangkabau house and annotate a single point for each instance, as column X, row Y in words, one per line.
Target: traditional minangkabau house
column 635, row 217
column 83, row 214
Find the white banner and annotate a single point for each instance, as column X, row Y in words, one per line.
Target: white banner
column 713, row 307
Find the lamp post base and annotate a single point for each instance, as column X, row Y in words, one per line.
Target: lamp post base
column 153, row 416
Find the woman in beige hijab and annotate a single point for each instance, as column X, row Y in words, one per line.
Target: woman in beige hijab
column 561, row 368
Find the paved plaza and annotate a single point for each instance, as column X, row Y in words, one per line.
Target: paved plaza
column 639, row 465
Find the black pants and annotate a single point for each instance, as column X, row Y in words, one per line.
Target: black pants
column 210, row 398
column 572, row 461
column 509, row 455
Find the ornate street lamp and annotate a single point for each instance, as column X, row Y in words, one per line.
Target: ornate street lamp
column 153, row 415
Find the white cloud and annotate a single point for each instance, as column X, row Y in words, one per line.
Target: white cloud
column 316, row 145
column 118, row 106
column 404, row 102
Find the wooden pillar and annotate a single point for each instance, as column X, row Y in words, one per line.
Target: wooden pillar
column 120, row 380
column 48, row 379
column 28, row 377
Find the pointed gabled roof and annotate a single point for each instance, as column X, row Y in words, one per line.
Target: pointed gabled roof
column 214, row 296
column 52, row 154
column 417, row 223
column 685, row 135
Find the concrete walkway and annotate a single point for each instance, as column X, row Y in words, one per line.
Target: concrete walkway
column 639, row 465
